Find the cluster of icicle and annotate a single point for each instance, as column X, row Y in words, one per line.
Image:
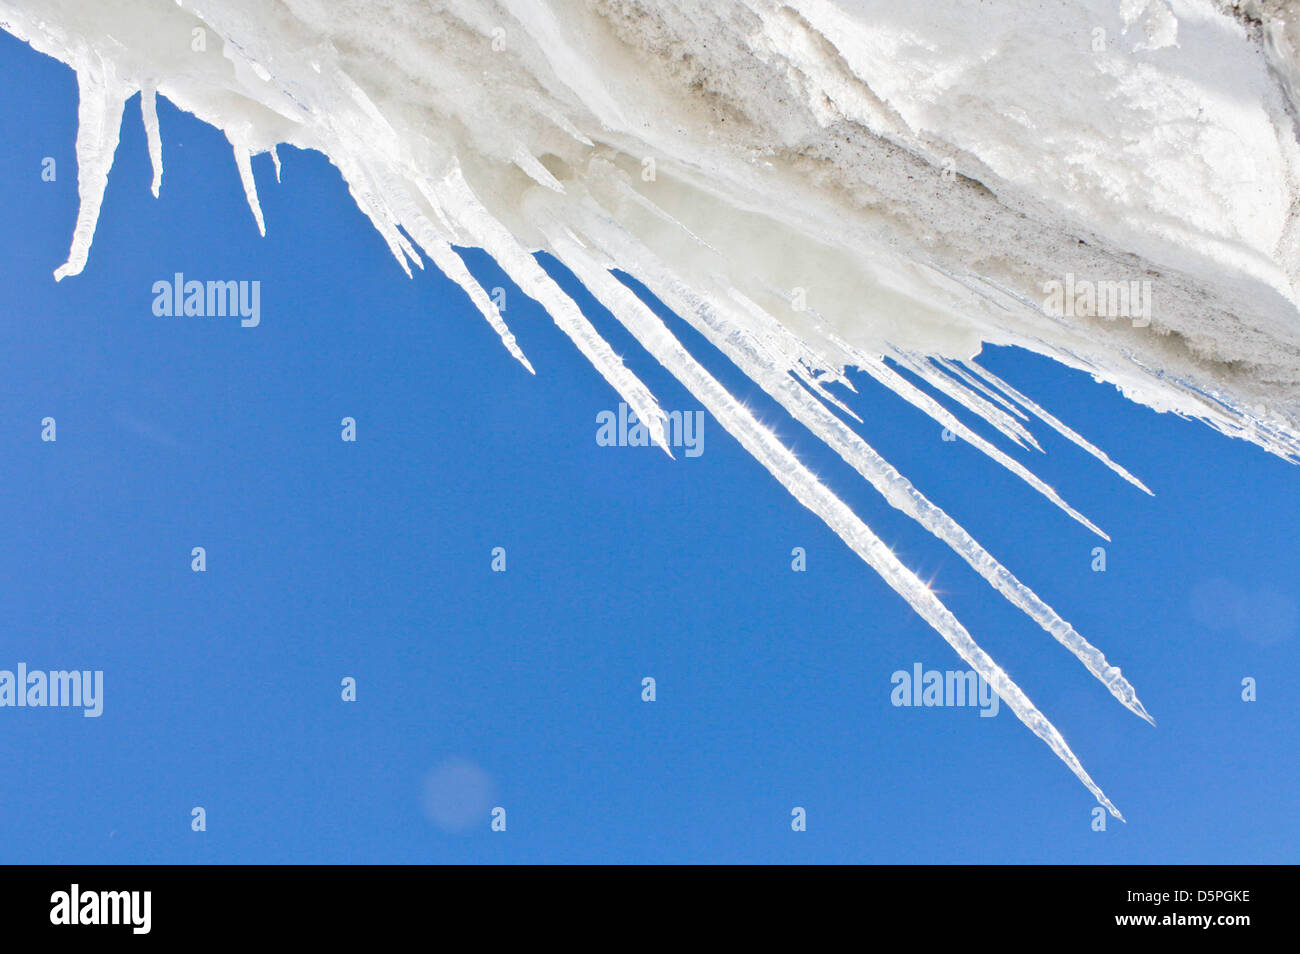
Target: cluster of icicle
column 488, row 125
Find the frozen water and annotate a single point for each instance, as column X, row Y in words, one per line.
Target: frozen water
column 814, row 185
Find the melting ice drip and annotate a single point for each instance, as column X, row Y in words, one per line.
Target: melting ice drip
column 906, row 179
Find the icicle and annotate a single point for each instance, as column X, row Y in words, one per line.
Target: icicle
column 529, row 163
column 534, row 282
column 275, row 159
column 913, row 395
column 799, row 356
column 372, row 205
column 561, row 122
column 99, row 124
column 856, row 452
column 820, row 390
column 1056, row 425
column 954, row 368
column 764, row 446
column 451, row 265
column 446, row 260
column 981, row 408
column 242, row 160
column 149, row 114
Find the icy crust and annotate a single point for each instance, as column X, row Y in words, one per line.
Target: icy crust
column 812, row 185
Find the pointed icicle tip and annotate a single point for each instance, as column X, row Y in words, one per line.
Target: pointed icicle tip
column 1141, row 710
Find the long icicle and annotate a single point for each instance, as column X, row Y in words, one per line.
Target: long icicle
column 457, row 197
column 245, row 166
column 913, row 395
column 968, row 399
column 768, row 450
column 954, row 368
column 99, row 124
column 862, row 457
column 1056, row 425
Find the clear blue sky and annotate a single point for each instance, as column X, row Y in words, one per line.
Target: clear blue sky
column 328, row 559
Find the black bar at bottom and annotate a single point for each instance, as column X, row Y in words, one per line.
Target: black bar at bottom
column 337, row 903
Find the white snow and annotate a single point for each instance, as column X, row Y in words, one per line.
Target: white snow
column 814, row 185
